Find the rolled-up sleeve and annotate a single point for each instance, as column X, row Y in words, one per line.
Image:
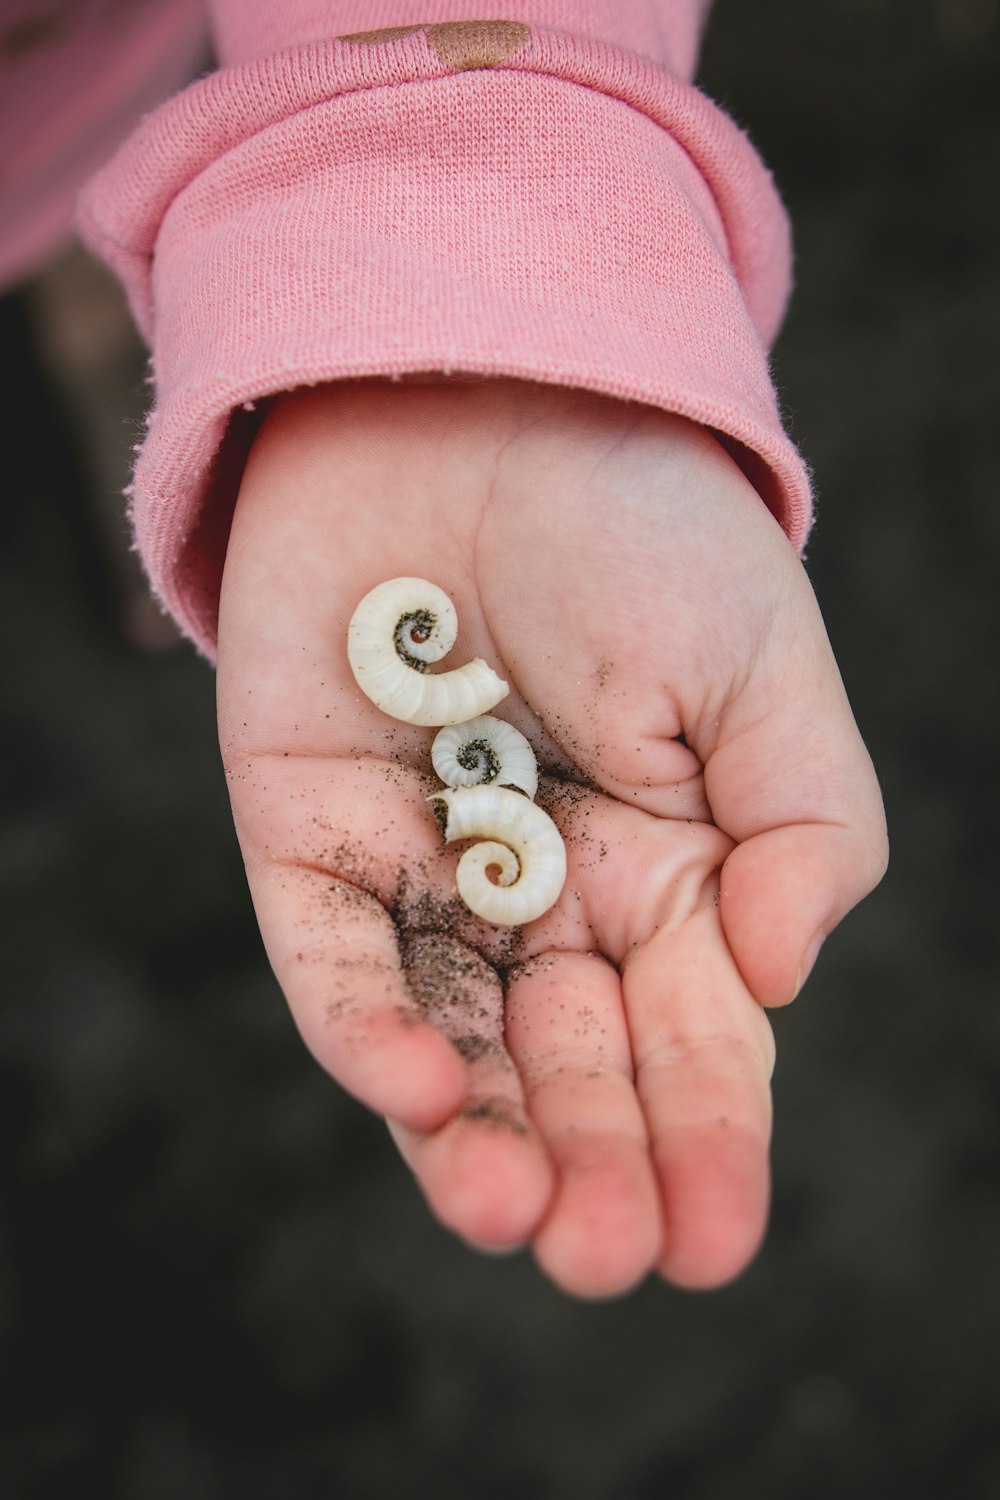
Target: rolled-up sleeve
column 541, row 195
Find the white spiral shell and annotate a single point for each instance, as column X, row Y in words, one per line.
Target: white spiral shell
column 521, row 841
column 485, row 751
column 397, row 630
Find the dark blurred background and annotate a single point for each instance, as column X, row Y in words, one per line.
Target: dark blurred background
column 216, row 1279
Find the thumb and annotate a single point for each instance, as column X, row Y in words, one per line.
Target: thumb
column 782, row 892
column 791, row 781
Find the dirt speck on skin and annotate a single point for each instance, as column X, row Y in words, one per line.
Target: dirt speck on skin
column 439, row 808
column 537, row 963
column 349, row 866
column 583, row 759
column 419, row 910
column 587, row 1022
column 352, row 984
column 447, row 979
column 350, row 897
column 473, row 1049
column 562, row 796
column 570, row 803
column 497, row 1112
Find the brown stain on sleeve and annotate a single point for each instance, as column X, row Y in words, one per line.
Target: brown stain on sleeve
column 464, row 45
column 379, row 38
column 459, row 45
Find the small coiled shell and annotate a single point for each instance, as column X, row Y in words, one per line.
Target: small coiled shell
column 520, row 840
column 484, row 751
column 397, row 630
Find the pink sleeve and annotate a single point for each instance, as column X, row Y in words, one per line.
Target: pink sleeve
column 542, row 195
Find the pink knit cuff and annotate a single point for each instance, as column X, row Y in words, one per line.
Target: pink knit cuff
column 570, row 214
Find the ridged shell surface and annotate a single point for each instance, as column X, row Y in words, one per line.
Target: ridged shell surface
column 399, row 628
column 519, row 839
column 484, row 751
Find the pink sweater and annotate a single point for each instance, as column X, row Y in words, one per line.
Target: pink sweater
column 373, row 187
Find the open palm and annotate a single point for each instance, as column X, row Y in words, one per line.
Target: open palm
column 596, row 1082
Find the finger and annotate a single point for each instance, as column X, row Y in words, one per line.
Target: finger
column 566, row 1031
column 334, row 951
column 485, row 1173
column 703, row 1054
column 784, row 891
column 789, row 778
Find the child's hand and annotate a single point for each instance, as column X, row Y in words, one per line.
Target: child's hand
column 596, row 1083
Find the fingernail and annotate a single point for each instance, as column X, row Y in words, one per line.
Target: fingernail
column 806, row 966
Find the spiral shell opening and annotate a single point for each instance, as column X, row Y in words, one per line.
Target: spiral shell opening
column 484, row 751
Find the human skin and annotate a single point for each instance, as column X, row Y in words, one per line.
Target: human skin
column 595, row 1084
